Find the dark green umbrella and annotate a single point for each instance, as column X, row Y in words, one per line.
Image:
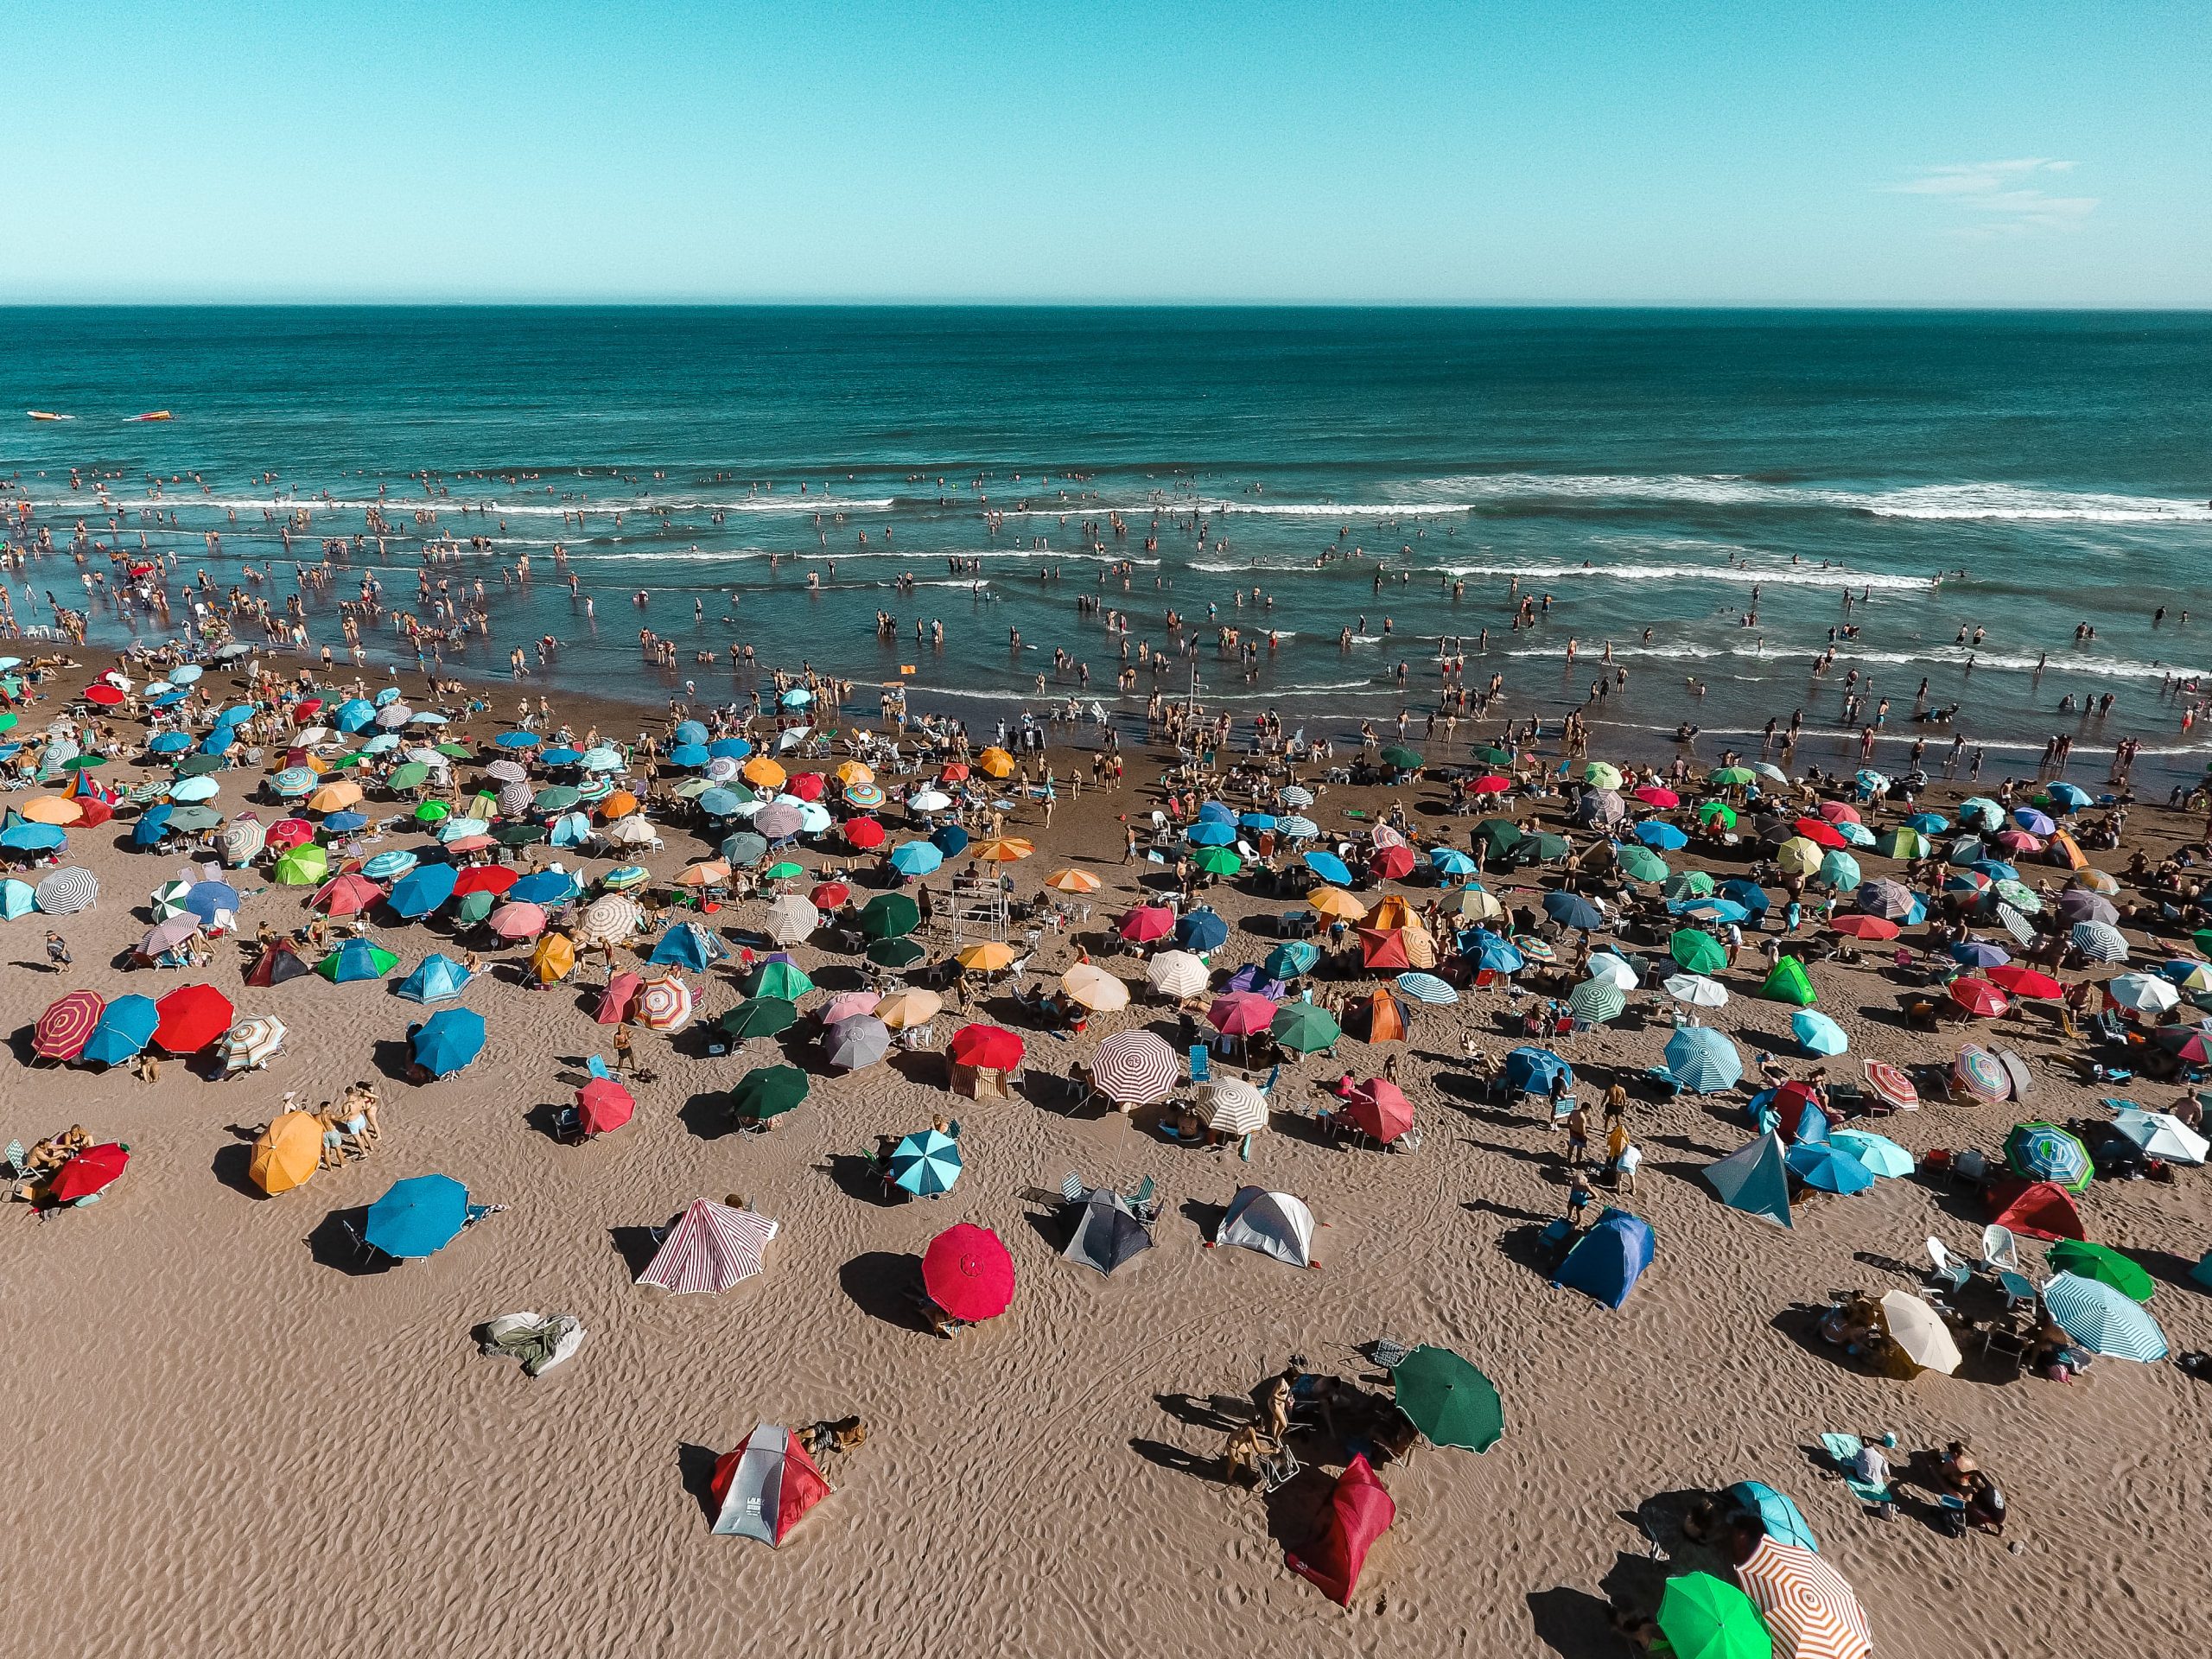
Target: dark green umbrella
column 1543, row 846
column 1304, row 1026
column 558, row 798
column 1497, row 837
column 759, row 1016
column 1696, row 951
column 520, row 834
column 895, row 953
column 1495, row 757
column 2102, row 1263
column 890, row 916
column 1403, row 759
column 87, row 762
column 473, row 907
column 770, row 1092
column 195, row 765
column 1448, row 1399
column 187, row 819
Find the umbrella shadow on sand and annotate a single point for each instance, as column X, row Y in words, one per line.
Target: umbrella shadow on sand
column 708, row 1116
column 231, row 1165
column 636, row 1246
column 853, row 1175
column 336, row 1243
column 1574, row 1623
column 886, row 1284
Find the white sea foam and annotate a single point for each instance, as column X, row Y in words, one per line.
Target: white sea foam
column 1785, row 576
column 1848, row 657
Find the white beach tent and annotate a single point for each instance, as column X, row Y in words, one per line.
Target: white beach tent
column 1273, row 1223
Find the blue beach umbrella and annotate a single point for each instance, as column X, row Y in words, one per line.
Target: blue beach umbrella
column 1980, row 953
column 1659, row 834
column 32, row 838
column 345, row 823
column 125, row 1026
column 1258, row 823
column 690, row 731
column 1216, row 812
column 915, row 858
column 1703, row 1060
column 1328, row 867
column 355, row 714
column 570, row 830
column 1530, row 1070
column 1573, row 910
column 1427, row 988
column 1494, row 953
column 544, row 887
column 1291, row 958
column 1817, row 1032
column 720, row 802
column 926, row 1164
column 2068, row 798
column 422, row 889
column 687, row 944
column 206, row 898
column 1882, row 1155
column 1211, row 832
column 729, row 748
column 438, row 978
column 949, row 839
column 171, row 743
column 386, row 866
column 293, row 780
column 560, row 757
column 1774, row 1512
column 151, row 826
column 1827, row 1168
column 1451, row 862
column 2102, row 1320
column 1201, row 931
column 194, row 788
column 448, row 1040
column 417, row 1216
column 517, row 739
column 689, row 754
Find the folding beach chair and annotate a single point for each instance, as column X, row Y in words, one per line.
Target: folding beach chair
column 1200, row 1071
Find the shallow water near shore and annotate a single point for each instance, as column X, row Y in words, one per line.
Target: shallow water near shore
column 1387, row 475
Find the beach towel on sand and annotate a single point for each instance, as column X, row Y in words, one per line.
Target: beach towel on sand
column 539, row 1341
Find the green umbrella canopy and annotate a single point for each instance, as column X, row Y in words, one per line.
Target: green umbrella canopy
column 1448, row 1399
column 1689, row 884
column 770, row 1092
column 197, row 766
column 1641, row 864
column 1495, row 757
column 452, row 751
column 1734, row 775
column 895, row 953
column 1718, row 812
column 1217, row 861
column 786, row 980
column 1543, row 846
column 1497, row 836
column 1304, row 1027
column 433, row 813
column 759, row 1016
column 1704, row 1618
column 473, row 907
column 1697, row 950
column 2102, row 1263
column 786, row 871
column 1404, row 759
column 520, row 834
column 557, row 798
column 87, row 762
column 890, row 916
column 414, row 773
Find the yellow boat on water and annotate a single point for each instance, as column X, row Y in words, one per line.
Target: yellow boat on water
column 46, row 414
column 156, row 414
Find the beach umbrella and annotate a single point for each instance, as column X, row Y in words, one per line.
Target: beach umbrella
column 422, row 889
column 687, row 944
column 303, row 867
column 1177, row 974
column 1232, row 1107
column 2102, row 1317
column 356, row 959
column 1866, row 927
column 1217, row 861
column 926, row 1164
column 1696, row 991
column 986, row 956
column 517, row 919
column 347, row 896
column 1882, row 1156
column 949, row 839
column 2044, row 1151
column 1135, row 1068
column 1532, row 1070
column 1703, row 1618
column 50, row 811
column 1304, row 1027
column 2162, row 1135
column 664, row 1005
column 2103, row 1264
column 906, row 1009
column 1147, row 923
column 2145, row 993
column 191, row 1017
column 1779, row 1517
column 437, row 978
column 65, row 892
column 1450, row 1401
column 915, row 858
column 125, row 1026
column 1379, row 1109
column 895, row 954
column 1091, row 986
column 1807, row 1606
column 1296, row 828
column 1827, row 1168
column 2099, row 941
column 417, row 1216
column 769, row 1092
column 168, row 935
column 1573, row 910
column 1786, row 982
column 968, row 1273
column 1919, row 1332
column 92, row 1170
column 1428, row 988
column 1978, row 997
column 759, row 1016
column 790, row 919
column 1475, row 905
column 67, row 1024
column 253, row 1042
column 1980, row 1073
column 1595, row 1001
column 777, row 976
column 286, row 1153
column 1201, row 931
column 1640, row 864
column 1704, row 1060
column 448, row 1040
column 1698, row 952
column 1450, row 863
column 385, row 867
column 1819, row 1035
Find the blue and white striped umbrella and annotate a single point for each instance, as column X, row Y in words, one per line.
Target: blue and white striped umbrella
column 1294, row 796
column 1703, row 1060
column 2099, row 943
column 2102, row 1320
column 1427, row 988
column 1296, row 828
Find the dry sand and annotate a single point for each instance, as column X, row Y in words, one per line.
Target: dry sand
column 231, row 1443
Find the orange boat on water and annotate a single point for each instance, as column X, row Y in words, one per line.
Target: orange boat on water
column 46, row 415
column 156, row 414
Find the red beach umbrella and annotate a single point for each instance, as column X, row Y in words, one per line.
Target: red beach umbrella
column 1820, row 832
column 968, row 1273
column 1978, row 997
column 288, row 833
column 829, row 895
column 2026, row 981
column 955, row 773
column 1839, row 812
column 1147, row 923
column 1866, row 927
column 863, row 833
column 603, row 1104
column 192, row 1016
column 807, row 785
column 1492, row 785
column 1381, row 1108
column 347, row 895
column 1391, row 863
column 89, row 1172
column 103, row 693
column 1384, row 948
column 1658, row 795
column 1240, row 1013
column 992, row 1047
column 485, row 878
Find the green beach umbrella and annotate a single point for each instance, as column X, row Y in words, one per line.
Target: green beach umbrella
column 770, row 1092
column 1602, row 774
column 1689, row 884
column 895, row 953
column 1495, row 757
column 303, row 867
column 408, row 776
column 1303, row 1027
column 2102, row 1263
column 521, row 835
column 1641, row 864
column 1718, row 812
column 1697, row 950
column 1448, row 1399
column 559, row 797
column 1543, row 846
column 474, row 907
column 1732, row 775
column 1704, row 1618
column 1902, row 843
column 1597, row 1001
column 1498, row 838
column 452, row 751
column 87, row 762
column 1786, row 983
column 785, row 871
column 1217, row 861
column 786, row 980
column 198, row 766
column 433, row 813
column 1403, row 759
column 890, row 916
column 759, row 1016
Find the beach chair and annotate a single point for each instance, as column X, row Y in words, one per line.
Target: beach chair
column 1145, row 1201
column 1200, row 1071
column 364, row 1252
column 19, row 1161
column 2000, row 1251
column 1661, row 1082
column 597, row 1067
column 1278, row 1472
column 569, row 1126
column 1843, row 1451
column 1268, row 1087
column 1970, row 1168
column 1950, row 1274
column 2019, row 1292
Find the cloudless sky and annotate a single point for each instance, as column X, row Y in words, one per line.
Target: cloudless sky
column 1385, row 150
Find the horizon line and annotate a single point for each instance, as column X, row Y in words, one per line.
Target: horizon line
column 642, row 304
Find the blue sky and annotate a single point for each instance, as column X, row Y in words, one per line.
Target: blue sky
column 1956, row 154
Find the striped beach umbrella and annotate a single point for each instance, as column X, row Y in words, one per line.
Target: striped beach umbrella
column 664, row 1005
column 1177, row 974
column 62, row 1030
column 2102, row 1320
column 1230, row 1106
column 167, row 899
column 67, row 892
column 1597, row 1001
column 1892, row 1085
column 2099, row 941
column 2044, row 1151
column 1807, row 1606
column 1135, row 1068
column 1427, row 987
column 253, row 1042
column 711, row 1247
column 1703, row 1060
column 1980, row 1073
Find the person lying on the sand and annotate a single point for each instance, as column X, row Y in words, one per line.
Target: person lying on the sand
column 842, row 1435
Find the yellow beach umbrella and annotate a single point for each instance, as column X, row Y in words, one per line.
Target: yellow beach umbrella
column 995, row 762
column 1073, row 881
column 1004, row 849
column 987, row 956
column 1478, row 906
column 1335, row 901
column 763, row 773
column 1798, row 856
column 554, row 958
column 51, row 809
column 853, row 773
column 285, row 1154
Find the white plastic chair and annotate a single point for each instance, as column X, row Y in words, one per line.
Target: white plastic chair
column 2000, row 1251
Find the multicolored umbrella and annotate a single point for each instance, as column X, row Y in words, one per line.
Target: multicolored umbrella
column 2044, row 1151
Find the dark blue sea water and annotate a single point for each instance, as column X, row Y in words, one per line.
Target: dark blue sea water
column 1664, row 472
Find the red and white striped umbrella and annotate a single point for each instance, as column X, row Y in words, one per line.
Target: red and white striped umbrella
column 664, row 1004
column 62, row 1030
column 711, row 1248
column 1135, row 1068
column 1893, row 1085
column 1810, row 1610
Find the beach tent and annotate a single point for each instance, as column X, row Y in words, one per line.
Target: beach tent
column 1786, row 983
column 687, row 944
column 761, row 1489
column 1273, row 1223
column 1754, row 1179
column 1607, row 1259
column 285, row 1154
column 279, row 962
column 1107, row 1232
column 1807, row 1606
column 1360, row 1511
column 711, row 1247
column 438, row 977
column 2036, row 1208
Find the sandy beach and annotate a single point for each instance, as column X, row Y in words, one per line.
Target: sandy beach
column 240, row 1436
